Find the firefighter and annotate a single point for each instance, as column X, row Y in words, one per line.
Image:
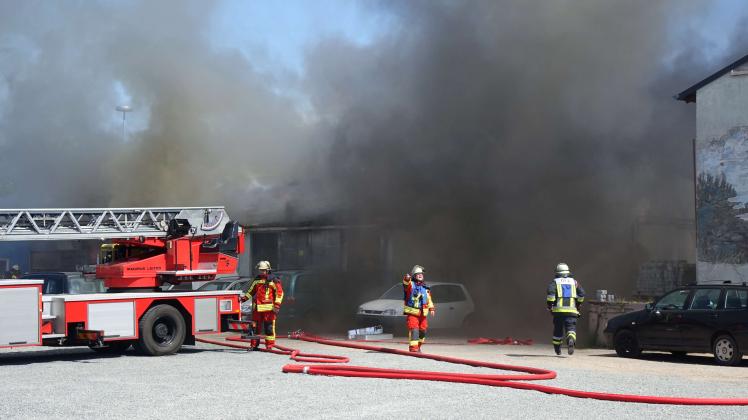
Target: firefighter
column 565, row 297
column 418, row 305
column 266, row 294
column 15, row 272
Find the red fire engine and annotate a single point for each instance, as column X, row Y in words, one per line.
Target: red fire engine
column 146, row 248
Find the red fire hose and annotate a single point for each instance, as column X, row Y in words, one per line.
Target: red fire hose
column 294, row 354
column 529, row 373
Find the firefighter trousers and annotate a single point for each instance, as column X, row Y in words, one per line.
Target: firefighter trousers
column 564, row 323
column 264, row 324
column 417, row 326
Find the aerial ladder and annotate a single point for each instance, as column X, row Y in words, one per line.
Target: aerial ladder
column 144, row 249
column 147, row 246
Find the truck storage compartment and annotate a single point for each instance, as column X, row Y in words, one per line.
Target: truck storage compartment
column 20, row 313
column 116, row 319
column 206, row 315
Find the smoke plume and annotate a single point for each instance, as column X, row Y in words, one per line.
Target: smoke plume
column 493, row 139
column 505, row 137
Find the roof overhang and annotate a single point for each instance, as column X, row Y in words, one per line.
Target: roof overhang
column 689, row 95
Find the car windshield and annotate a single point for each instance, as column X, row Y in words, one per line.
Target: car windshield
column 395, row 293
column 215, row 285
column 54, row 283
column 673, row 300
column 78, row 285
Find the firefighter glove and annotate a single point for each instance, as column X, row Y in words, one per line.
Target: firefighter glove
column 276, row 308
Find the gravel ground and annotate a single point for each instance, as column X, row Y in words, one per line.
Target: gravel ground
column 206, row 381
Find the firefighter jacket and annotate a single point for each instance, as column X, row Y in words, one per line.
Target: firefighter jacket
column 417, row 298
column 266, row 294
column 564, row 296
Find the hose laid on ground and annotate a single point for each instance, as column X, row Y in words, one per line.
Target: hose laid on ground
column 530, row 373
column 293, row 354
column 502, row 341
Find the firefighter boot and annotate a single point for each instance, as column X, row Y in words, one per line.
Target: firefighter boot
column 557, row 348
column 570, row 342
column 421, row 338
column 413, row 342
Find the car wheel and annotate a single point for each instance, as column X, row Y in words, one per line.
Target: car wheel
column 626, row 344
column 162, row 331
column 726, row 351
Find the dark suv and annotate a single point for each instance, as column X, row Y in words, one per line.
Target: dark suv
column 691, row 319
column 73, row 283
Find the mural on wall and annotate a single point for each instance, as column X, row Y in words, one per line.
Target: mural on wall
column 722, row 207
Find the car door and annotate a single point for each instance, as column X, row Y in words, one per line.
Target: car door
column 701, row 319
column 451, row 306
column 661, row 327
column 733, row 315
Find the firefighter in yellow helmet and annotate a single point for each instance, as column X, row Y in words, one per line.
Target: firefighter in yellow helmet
column 418, row 304
column 266, row 293
column 565, row 296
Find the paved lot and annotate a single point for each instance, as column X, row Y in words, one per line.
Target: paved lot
column 211, row 382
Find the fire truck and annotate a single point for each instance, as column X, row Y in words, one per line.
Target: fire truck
column 144, row 249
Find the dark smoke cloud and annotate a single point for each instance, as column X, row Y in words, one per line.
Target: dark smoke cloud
column 504, row 137
column 212, row 128
column 494, row 139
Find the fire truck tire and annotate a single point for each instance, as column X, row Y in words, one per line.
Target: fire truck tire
column 162, row 331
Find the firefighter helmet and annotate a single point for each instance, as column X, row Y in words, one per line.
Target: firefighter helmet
column 263, row 265
column 15, row 267
column 562, row 269
column 417, row 269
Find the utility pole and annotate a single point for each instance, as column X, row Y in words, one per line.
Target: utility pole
column 124, row 109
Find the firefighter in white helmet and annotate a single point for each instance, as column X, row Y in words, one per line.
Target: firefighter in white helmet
column 266, row 293
column 565, row 296
column 418, row 305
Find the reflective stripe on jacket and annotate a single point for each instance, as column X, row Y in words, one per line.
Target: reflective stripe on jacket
column 265, row 293
column 564, row 294
column 417, row 298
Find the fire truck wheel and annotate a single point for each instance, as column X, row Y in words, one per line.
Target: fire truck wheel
column 162, row 331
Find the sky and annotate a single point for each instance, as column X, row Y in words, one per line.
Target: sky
column 276, row 33
column 276, row 36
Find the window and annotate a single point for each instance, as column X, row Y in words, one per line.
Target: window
column 736, row 299
column 705, row 299
column 242, row 285
column 54, row 286
column 673, row 300
column 80, row 285
column 395, row 293
column 306, row 284
column 214, row 285
column 447, row 293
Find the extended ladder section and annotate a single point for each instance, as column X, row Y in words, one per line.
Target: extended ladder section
column 109, row 223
